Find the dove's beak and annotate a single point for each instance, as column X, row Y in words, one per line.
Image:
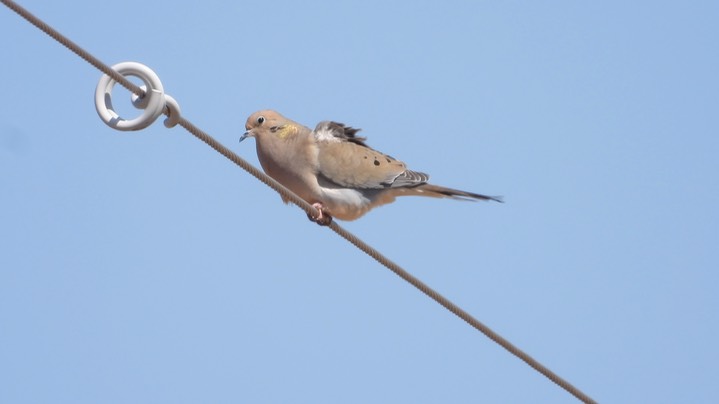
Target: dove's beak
column 245, row 135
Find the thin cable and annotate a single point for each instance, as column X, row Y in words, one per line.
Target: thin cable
column 75, row 48
column 289, row 195
column 459, row 312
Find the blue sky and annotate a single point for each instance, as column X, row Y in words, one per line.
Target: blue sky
column 143, row 267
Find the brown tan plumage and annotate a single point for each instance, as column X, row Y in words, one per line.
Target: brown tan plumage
column 334, row 169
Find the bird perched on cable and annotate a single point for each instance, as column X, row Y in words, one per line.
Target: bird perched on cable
column 334, row 170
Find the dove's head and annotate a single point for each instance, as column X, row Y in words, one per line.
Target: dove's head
column 268, row 123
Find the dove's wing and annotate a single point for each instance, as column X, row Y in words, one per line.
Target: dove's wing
column 345, row 160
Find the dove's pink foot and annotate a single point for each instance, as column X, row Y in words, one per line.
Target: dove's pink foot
column 323, row 219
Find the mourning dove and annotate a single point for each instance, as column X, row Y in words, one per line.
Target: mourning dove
column 334, row 170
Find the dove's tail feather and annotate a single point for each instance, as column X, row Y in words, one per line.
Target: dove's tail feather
column 444, row 192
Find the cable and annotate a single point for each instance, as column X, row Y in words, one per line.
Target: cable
column 289, row 195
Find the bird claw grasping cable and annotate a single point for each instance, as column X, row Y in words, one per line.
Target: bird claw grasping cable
column 323, row 218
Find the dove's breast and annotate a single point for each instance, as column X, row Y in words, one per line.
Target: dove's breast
column 292, row 162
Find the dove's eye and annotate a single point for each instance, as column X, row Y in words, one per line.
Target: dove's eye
column 260, row 119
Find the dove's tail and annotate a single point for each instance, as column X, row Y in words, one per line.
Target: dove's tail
column 443, row 192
